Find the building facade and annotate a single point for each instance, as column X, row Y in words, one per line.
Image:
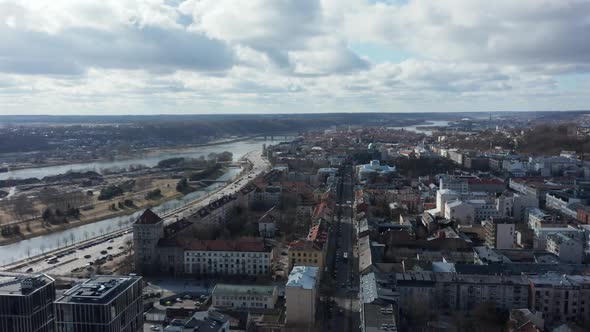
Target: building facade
column 244, row 296
column 224, row 257
column 301, row 295
column 26, row 303
column 305, row 253
column 102, row 303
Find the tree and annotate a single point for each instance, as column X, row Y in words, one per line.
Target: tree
column 47, row 215
column 23, row 207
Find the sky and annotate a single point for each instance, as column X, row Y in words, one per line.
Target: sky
column 293, row 56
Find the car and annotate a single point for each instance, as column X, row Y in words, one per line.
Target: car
column 154, row 328
column 29, row 270
column 103, row 252
column 121, row 248
column 109, row 248
column 87, row 256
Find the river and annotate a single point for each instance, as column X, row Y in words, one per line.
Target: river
column 237, row 148
column 414, row 128
column 37, row 245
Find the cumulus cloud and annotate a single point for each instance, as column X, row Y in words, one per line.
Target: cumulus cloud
column 291, row 55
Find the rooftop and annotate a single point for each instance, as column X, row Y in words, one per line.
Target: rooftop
column 304, row 277
column 244, row 289
column 98, row 289
column 148, row 218
column 22, row 284
column 226, row 245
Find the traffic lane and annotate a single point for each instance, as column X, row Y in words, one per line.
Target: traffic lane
column 78, row 257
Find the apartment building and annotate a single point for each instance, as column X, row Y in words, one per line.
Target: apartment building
column 26, row 302
column 307, row 253
column 225, row 257
column 244, row 296
column 102, row 303
column 500, row 233
column 301, row 295
column 453, row 291
column 567, row 249
column 561, row 298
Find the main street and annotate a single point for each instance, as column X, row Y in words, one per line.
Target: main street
column 80, row 255
column 341, row 299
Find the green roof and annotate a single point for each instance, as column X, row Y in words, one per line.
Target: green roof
column 243, row 289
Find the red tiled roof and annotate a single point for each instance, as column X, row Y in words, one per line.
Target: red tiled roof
column 226, row 245
column 485, row 181
column 148, row 218
column 303, row 245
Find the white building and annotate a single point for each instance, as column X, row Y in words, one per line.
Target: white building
column 568, row 250
column 444, row 196
column 458, row 184
column 500, row 233
column 541, row 234
column 244, row 296
column 536, row 217
column 301, row 292
column 374, row 168
column 242, row 257
column 484, row 209
column 561, row 201
column 459, row 211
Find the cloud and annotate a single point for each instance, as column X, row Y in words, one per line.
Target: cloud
column 291, row 55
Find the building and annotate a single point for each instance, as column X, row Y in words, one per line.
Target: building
column 244, row 296
column 459, row 211
column 301, row 294
column 455, row 183
column 379, row 301
column 102, row 303
column 201, row 321
column 486, row 185
column 147, row 231
column 374, row 168
column 563, row 201
column 583, row 214
column 307, row 253
column 267, row 224
column 268, row 196
column 541, row 235
column 569, row 250
column 560, row 298
column 536, row 218
column 500, row 233
column 226, row 257
column 26, row 303
column 442, row 197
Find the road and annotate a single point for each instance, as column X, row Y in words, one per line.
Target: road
column 74, row 256
column 342, row 304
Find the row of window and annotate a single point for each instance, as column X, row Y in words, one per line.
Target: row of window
column 225, row 254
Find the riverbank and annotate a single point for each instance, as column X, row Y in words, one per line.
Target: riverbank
column 136, row 154
column 102, row 210
column 107, row 209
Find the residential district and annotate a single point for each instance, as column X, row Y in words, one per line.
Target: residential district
column 347, row 229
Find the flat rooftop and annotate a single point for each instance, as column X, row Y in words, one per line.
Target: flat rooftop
column 98, row 289
column 21, row 283
column 244, row 289
column 303, row 277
